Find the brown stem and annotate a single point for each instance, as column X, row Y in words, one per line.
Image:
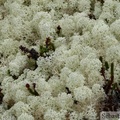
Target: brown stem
column 111, row 80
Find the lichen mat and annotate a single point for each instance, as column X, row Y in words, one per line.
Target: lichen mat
column 59, row 59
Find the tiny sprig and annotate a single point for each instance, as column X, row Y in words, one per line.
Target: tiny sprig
column 48, row 47
column 32, row 91
column 58, row 30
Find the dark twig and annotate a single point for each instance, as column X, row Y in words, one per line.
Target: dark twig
column 112, row 99
column 33, row 92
